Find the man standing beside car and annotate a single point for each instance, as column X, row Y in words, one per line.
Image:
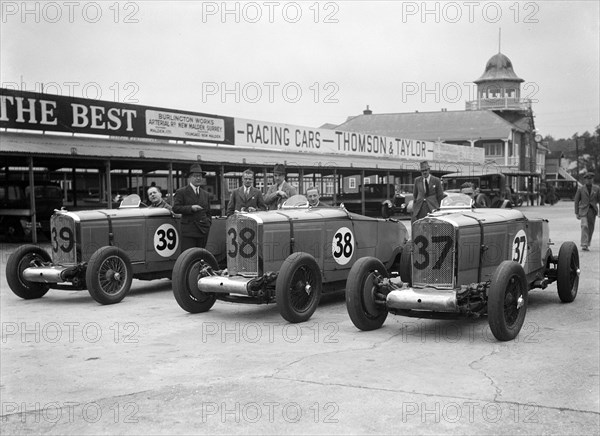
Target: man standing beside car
column 587, row 201
column 280, row 190
column 427, row 193
column 246, row 198
column 193, row 203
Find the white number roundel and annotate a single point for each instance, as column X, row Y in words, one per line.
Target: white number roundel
column 342, row 245
column 166, row 240
column 519, row 248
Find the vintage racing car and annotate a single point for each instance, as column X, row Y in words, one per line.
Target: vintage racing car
column 288, row 256
column 467, row 262
column 103, row 250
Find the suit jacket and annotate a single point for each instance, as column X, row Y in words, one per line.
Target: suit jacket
column 240, row 202
column 193, row 224
column 436, row 193
column 161, row 203
column 271, row 198
column 585, row 200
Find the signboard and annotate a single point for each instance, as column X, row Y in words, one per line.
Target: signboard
column 286, row 137
column 35, row 111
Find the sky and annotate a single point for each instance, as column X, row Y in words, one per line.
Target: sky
column 307, row 63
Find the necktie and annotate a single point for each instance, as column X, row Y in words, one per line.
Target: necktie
column 196, row 189
column 426, row 188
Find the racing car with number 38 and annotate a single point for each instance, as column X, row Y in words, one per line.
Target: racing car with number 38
column 102, row 251
column 288, row 256
column 469, row 262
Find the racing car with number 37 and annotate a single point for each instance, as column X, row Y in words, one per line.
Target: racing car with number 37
column 467, row 262
column 288, row 256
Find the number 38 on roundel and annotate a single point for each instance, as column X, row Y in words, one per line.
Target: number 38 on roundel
column 289, row 256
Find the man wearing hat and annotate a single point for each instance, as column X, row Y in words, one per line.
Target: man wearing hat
column 280, row 190
column 246, row 198
column 587, row 201
column 427, row 193
column 193, row 203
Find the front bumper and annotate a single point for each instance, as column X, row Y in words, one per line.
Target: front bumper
column 428, row 299
column 225, row 284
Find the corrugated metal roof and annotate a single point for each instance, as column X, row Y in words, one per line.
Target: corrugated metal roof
column 433, row 126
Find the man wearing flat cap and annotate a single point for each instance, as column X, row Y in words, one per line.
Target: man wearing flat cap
column 193, row 203
column 280, row 190
column 587, row 201
column 427, row 193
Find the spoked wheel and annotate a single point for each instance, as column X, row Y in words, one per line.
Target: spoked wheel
column 298, row 287
column 507, row 300
column 185, row 280
column 24, row 257
column 568, row 272
column 109, row 275
column 364, row 311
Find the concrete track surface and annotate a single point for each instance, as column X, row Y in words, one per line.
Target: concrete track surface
column 144, row 366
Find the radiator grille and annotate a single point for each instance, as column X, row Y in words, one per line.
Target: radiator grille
column 63, row 239
column 433, row 254
column 243, row 245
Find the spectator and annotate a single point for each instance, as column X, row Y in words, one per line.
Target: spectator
column 246, row 198
column 280, row 190
column 313, row 197
column 427, row 193
column 193, row 203
column 587, row 201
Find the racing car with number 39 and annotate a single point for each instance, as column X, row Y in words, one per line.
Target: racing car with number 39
column 288, row 256
column 102, row 251
column 468, row 262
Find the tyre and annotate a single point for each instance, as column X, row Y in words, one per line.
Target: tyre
column 386, row 210
column 298, row 287
column 364, row 312
column 507, row 300
column 406, row 263
column 482, row 200
column 185, row 280
column 109, row 275
column 568, row 272
column 22, row 258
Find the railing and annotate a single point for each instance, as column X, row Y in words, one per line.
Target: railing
column 498, row 103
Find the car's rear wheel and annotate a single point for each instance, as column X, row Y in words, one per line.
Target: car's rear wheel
column 568, row 272
column 24, row 257
column 406, row 263
column 185, row 280
column 364, row 312
column 109, row 275
column 298, row 287
column 507, row 300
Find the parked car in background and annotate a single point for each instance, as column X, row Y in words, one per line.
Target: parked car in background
column 103, row 250
column 288, row 256
column 467, row 262
column 400, row 204
column 16, row 214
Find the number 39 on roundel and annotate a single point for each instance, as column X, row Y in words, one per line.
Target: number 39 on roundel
column 342, row 245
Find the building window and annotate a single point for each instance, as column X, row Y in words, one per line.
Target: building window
column 352, row 183
column 367, row 181
column 494, row 149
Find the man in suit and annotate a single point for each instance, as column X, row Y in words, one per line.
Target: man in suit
column 313, row 197
column 587, row 201
column 246, row 198
column 156, row 200
column 427, row 193
column 193, row 203
column 279, row 191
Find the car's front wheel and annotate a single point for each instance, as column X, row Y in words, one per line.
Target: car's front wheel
column 568, row 272
column 24, row 257
column 298, row 287
column 109, row 275
column 364, row 311
column 507, row 300
column 185, row 280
